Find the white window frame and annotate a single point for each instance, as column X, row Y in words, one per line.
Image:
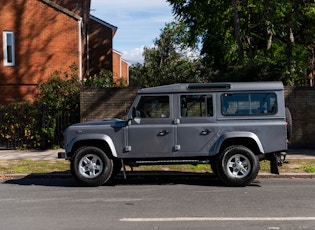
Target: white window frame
column 6, row 52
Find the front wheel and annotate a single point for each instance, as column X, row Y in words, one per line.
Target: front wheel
column 237, row 166
column 91, row 166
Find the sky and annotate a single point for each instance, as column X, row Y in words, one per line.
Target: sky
column 139, row 22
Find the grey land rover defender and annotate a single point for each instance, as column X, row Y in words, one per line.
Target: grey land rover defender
column 231, row 126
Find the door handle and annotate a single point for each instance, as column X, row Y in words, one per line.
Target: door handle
column 163, row 132
column 205, row 132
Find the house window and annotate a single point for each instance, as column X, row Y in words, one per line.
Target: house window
column 8, row 48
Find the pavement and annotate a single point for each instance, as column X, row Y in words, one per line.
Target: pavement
column 52, row 154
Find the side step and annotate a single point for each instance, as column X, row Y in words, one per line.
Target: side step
column 166, row 162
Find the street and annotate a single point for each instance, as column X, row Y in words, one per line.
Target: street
column 157, row 202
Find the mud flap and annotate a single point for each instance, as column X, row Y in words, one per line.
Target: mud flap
column 274, row 164
column 124, row 168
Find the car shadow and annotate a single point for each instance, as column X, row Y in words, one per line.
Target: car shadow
column 165, row 177
column 64, row 179
column 61, row 179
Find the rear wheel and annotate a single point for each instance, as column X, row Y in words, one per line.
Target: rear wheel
column 91, row 166
column 237, row 166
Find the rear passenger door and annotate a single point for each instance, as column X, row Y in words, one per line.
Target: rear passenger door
column 196, row 126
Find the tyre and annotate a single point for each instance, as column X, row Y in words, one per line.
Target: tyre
column 237, row 166
column 91, row 166
column 288, row 119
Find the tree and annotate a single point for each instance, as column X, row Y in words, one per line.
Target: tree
column 251, row 40
column 166, row 62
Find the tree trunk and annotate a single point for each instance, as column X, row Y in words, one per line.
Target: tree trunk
column 237, row 32
column 270, row 34
column 290, row 60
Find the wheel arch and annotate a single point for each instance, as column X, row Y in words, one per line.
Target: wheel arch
column 103, row 142
column 247, row 139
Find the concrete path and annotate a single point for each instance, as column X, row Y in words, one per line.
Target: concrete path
column 50, row 154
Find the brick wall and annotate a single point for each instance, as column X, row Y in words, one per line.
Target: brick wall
column 79, row 7
column 120, row 69
column 45, row 40
column 125, row 71
column 100, row 51
column 301, row 102
column 99, row 103
column 116, row 67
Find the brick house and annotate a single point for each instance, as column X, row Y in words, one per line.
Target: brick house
column 120, row 68
column 42, row 36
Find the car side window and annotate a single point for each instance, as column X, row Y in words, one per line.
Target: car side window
column 242, row 104
column 153, row 107
column 196, row 105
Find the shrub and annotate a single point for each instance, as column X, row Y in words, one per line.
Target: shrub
column 104, row 79
column 20, row 125
column 41, row 124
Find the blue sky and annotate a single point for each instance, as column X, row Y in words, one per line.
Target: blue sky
column 139, row 22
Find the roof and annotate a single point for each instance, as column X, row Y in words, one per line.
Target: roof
column 76, row 16
column 215, row 87
column 103, row 22
column 61, row 9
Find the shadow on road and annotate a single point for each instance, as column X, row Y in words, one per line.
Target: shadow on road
column 58, row 179
column 132, row 178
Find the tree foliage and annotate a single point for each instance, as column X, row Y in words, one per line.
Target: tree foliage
column 166, row 62
column 252, row 40
column 103, row 79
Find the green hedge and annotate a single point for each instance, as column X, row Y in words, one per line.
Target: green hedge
column 20, row 125
column 41, row 124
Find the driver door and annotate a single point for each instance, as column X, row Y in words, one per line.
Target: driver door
column 151, row 132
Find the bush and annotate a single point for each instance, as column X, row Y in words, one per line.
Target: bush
column 59, row 102
column 104, row 79
column 40, row 125
column 20, row 125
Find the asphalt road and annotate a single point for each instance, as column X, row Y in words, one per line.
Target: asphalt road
column 160, row 202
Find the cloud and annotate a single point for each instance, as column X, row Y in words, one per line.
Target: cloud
column 134, row 56
column 139, row 23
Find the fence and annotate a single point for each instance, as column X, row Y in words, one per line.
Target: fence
column 29, row 126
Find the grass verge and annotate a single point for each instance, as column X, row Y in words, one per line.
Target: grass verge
column 62, row 166
column 33, row 166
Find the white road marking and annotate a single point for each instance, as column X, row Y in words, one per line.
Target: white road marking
column 180, row 219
